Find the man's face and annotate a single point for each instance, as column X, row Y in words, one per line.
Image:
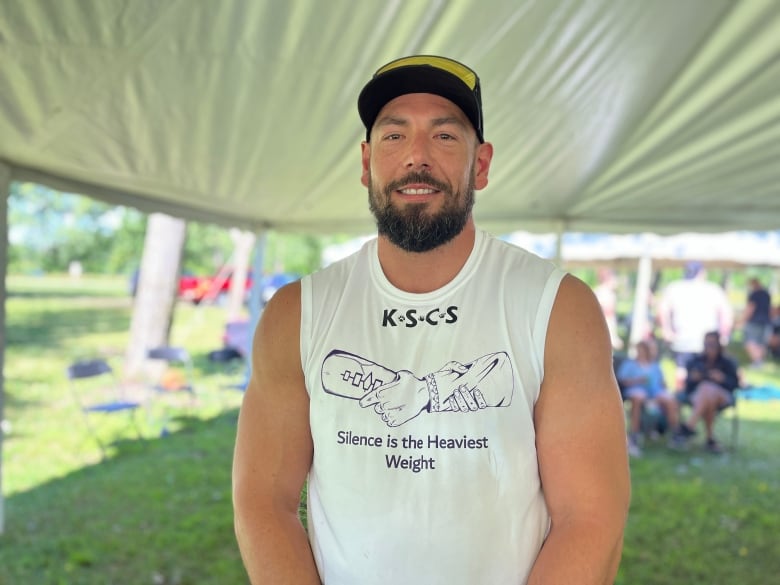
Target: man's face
column 421, row 169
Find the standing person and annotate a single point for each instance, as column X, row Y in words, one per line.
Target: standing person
column 449, row 397
column 712, row 378
column 644, row 385
column 606, row 294
column 757, row 322
column 688, row 309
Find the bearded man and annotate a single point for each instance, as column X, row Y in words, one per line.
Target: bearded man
column 448, row 397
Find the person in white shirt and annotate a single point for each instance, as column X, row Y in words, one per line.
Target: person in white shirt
column 448, row 397
column 690, row 308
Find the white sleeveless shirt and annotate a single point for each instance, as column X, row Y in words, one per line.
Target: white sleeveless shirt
column 450, row 493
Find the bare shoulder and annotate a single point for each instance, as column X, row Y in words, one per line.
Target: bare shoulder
column 273, row 423
column 276, row 344
column 580, row 425
column 577, row 332
column 579, row 386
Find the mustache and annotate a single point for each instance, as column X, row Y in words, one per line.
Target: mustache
column 416, row 177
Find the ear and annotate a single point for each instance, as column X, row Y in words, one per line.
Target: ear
column 365, row 153
column 484, row 155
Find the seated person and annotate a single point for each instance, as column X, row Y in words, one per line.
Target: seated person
column 773, row 344
column 709, row 387
column 643, row 383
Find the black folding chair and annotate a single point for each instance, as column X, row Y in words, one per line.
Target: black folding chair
column 97, row 391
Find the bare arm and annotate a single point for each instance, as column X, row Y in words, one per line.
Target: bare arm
column 581, row 444
column 274, row 452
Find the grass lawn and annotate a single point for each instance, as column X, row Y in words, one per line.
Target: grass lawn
column 158, row 511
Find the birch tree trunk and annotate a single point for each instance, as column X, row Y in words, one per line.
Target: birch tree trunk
column 158, row 283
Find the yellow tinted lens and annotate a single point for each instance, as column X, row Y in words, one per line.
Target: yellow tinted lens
column 459, row 70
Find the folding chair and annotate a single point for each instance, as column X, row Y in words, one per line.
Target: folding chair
column 174, row 379
column 233, row 365
column 725, row 413
column 96, row 390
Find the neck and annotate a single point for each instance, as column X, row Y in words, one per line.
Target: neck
column 423, row 272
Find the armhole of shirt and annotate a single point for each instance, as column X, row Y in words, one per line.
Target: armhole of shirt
column 306, row 323
column 543, row 312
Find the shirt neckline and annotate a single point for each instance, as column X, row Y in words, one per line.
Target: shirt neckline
column 383, row 284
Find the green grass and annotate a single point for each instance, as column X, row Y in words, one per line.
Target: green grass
column 156, row 511
column 159, row 511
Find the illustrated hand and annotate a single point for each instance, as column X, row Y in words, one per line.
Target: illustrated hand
column 465, row 400
column 400, row 400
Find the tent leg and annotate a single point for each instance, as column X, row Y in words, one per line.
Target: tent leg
column 5, row 190
column 255, row 293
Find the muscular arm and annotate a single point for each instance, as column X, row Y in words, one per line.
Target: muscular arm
column 273, row 452
column 581, row 444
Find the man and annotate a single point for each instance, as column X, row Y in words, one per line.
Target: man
column 757, row 322
column 688, row 309
column 449, row 397
column 712, row 378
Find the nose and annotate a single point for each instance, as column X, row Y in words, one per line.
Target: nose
column 418, row 155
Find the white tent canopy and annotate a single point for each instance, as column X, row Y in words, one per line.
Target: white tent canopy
column 606, row 115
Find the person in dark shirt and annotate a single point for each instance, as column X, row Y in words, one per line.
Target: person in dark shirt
column 757, row 322
column 712, row 377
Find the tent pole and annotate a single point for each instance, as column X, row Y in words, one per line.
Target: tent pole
column 255, row 293
column 5, row 190
column 559, row 232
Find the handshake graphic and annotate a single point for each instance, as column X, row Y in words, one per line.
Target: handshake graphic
column 399, row 396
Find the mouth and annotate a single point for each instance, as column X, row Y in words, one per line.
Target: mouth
column 417, row 192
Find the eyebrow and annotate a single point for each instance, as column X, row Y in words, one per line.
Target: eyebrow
column 436, row 122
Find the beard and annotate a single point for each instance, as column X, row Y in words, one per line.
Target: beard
column 412, row 228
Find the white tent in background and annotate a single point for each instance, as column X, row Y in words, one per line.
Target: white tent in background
column 645, row 252
column 729, row 249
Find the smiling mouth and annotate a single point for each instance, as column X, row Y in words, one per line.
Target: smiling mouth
column 425, row 191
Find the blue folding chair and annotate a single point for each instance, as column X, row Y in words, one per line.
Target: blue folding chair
column 97, row 391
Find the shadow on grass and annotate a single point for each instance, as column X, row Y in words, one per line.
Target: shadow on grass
column 47, row 329
column 157, row 511
column 64, row 294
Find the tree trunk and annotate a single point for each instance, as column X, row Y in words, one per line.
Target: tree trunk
column 158, row 285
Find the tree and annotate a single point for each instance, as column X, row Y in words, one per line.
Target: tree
column 155, row 298
column 50, row 229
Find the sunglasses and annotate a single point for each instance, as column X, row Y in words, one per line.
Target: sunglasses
column 459, row 70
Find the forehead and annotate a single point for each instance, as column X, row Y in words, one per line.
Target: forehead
column 422, row 104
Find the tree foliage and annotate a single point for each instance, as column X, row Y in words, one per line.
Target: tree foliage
column 49, row 229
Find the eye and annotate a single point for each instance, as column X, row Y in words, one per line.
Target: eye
column 392, row 136
column 445, row 136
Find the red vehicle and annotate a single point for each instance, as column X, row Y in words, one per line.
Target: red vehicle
column 208, row 288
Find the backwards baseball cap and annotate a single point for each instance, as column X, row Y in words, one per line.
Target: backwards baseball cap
column 422, row 74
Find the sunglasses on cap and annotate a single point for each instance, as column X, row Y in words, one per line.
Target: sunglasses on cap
column 456, row 68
